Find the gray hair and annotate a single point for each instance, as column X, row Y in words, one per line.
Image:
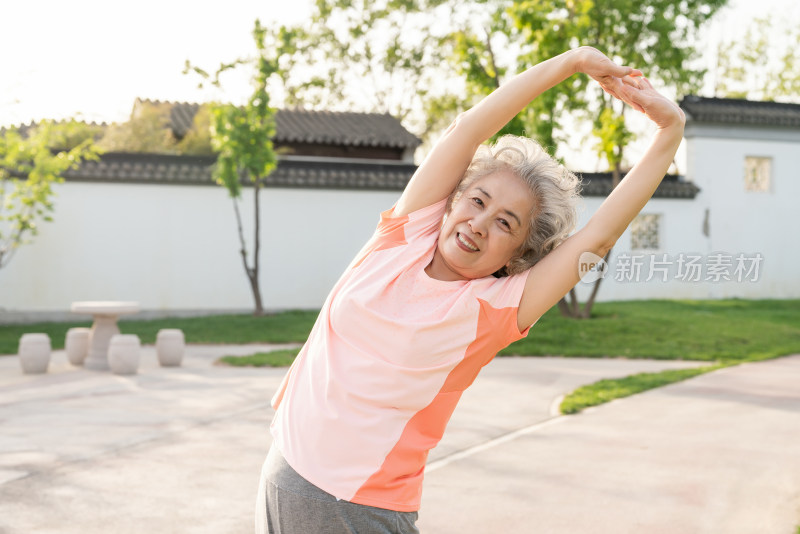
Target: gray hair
column 555, row 189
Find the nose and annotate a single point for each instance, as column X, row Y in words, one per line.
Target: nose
column 478, row 225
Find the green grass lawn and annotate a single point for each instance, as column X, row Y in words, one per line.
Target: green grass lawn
column 708, row 330
column 721, row 332
column 276, row 358
column 287, row 327
column 615, row 388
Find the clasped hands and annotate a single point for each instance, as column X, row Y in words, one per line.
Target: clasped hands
column 630, row 86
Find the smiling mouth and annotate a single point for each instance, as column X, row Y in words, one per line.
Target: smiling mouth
column 465, row 243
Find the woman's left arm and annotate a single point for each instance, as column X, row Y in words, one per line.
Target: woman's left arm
column 555, row 274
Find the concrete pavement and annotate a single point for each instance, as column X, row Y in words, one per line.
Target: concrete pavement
column 178, row 450
column 719, row 453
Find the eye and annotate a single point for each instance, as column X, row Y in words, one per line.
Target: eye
column 505, row 223
column 477, row 201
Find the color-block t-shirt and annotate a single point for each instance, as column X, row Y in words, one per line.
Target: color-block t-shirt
column 391, row 352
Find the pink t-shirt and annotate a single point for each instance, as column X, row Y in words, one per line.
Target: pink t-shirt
column 391, row 352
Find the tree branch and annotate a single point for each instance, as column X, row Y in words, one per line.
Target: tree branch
column 492, row 62
column 257, row 246
column 587, row 307
column 243, row 250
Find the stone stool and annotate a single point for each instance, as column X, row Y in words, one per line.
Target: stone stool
column 34, row 353
column 170, row 346
column 77, row 345
column 123, row 354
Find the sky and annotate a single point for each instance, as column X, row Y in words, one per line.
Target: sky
column 91, row 59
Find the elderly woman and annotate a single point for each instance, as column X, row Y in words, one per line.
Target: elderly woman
column 476, row 249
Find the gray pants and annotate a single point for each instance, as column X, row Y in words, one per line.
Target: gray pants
column 289, row 504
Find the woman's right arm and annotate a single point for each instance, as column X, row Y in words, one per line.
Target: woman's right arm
column 444, row 167
column 555, row 274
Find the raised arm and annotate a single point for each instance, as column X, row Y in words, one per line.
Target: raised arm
column 553, row 276
column 441, row 171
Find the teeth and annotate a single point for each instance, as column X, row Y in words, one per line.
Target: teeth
column 466, row 244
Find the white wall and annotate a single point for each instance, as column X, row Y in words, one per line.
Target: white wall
column 680, row 231
column 175, row 247
column 739, row 222
column 748, row 221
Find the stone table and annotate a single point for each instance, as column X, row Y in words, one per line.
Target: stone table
column 105, row 315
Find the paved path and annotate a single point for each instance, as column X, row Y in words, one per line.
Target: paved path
column 719, row 453
column 179, row 450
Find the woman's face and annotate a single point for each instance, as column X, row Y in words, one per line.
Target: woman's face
column 484, row 228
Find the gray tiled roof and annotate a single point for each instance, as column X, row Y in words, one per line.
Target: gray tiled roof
column 739, row 111
column 351, row 129
column 23, row 129
column 291, row 172
column 181, row 117
column 598, row 184
column 303, row 172
column 315, row 127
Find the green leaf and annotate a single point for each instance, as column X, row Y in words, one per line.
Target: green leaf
column 41, row 157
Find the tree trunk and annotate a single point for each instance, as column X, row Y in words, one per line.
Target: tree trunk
column 256, row 294
column 563, row 307
column 587, row 307
column 253, row 273
column 572, row 308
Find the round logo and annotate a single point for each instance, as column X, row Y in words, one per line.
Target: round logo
column 591, row 267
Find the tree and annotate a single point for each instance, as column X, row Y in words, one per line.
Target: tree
column 477, row 50
column 242, row 137
column 30, row 163
column 365, row 55
column 656, row 35
column 147, row 130
column 487, row 47
column 484, row 40
column 762, row 64
column 197, row 141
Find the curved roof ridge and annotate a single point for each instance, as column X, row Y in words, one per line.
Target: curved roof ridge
column 300, row 125
column 740, row 111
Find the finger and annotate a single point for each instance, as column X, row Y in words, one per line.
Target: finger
column 630, row 97
column 603, row 81
column 609, row 81
column 620, row 71
column 635, row 102
column 613, row 91
column 633, row 82
column 608, row 89
column 628, row 92
column 618, row 85
column 647, row 83
column 627, row 99
column 614, row 94
column 635, row 72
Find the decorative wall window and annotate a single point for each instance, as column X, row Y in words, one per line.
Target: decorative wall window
column 644, row 231
column 757, row 172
